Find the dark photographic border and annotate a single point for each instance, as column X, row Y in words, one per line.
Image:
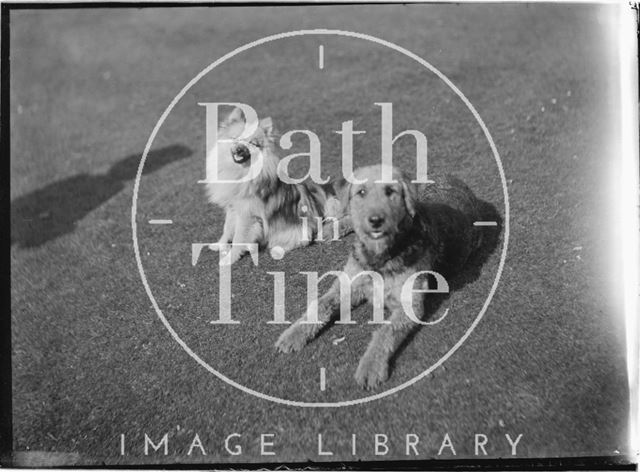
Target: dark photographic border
column 7, row 456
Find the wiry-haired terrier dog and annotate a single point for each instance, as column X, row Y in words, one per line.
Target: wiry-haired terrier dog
column 401, row 228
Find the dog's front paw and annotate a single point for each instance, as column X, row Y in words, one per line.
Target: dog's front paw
column 222, row 245
column 294, row 338
column 231, row 257
column 372, row 371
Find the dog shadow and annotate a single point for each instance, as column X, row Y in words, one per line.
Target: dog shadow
column 468, row 273
column 52, row 211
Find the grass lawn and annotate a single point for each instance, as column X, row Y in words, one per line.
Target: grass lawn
column 91, row 359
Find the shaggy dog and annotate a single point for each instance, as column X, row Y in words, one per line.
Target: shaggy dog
column 401, row 229
column 263, row 209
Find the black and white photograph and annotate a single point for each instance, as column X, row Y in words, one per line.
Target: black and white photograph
column 320, row 235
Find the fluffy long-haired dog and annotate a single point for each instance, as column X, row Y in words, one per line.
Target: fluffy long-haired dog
column 401, row 228
column 262, row 209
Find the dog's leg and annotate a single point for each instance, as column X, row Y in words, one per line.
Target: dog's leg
column 248, row 230
column 228, row 231
column 373, row 368
column 296, row 336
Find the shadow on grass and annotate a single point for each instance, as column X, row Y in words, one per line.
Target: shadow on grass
column 54, row 210
column 460, row 276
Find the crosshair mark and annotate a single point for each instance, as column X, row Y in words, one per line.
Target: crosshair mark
column 321, row 56
column 160, row 222
column 485, row 223
column 323, row 379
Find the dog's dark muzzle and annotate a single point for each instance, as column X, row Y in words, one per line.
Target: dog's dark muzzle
column 240, row 153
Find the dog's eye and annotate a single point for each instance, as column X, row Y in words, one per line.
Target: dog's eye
column 256, row 143
column 362, row 192
column 388, row 191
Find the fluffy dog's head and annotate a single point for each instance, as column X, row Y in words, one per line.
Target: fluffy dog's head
column 246, row 165
column 244, row 151
column 380, row 211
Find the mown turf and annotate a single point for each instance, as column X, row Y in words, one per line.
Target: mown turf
column 91, row 359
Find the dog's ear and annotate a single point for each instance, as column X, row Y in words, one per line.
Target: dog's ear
column 409, row 195
column 236, row 116
column 266, row 124
column 342, row 188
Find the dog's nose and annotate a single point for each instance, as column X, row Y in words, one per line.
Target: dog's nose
column 376, row 221
column 240, row 153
